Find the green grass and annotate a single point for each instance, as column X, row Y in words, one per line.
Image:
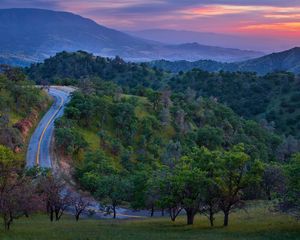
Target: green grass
column 91, row 138
column 257, row 224
column 14, row 118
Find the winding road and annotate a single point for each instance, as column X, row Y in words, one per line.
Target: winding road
column 39, row 147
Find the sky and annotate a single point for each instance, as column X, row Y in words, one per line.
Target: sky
column 278, row 18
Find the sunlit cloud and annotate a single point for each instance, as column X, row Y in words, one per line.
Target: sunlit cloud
column 287, row 26
column 218, row 10
column 282, row 16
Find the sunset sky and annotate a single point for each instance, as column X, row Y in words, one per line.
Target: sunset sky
column 256, row 17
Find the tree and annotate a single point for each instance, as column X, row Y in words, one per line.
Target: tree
column 113, row 189
column 172, row 154
column 290, row 197
column 182, row 187
column 17, row 193
column 287, row 148
column 180, row 121
column 56, row 197
column 95, row 165
column 207, row 161
column 69, row 140
column 273, row 180
column 154, row 97
column 80, row 204
column 190, row 182
column 237, row 172
column 125, row 121
column 210, row 137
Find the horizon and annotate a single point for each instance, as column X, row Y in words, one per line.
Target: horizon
column 255, row 19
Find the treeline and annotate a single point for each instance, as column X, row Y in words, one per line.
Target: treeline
column 72, row 68
column 20, row 102
column 171, row 152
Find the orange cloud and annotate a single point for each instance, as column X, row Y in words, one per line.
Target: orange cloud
column 285, row 27
column 282, row 16
column 215, row 10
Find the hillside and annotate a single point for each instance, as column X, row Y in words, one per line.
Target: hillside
column 249, row 95
column 283, row 61
column 21, row 105
column 32, row 35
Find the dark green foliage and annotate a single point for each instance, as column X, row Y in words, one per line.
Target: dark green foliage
column 69, row 140
column 69, row 68
column 95, row 166
column 290, row 202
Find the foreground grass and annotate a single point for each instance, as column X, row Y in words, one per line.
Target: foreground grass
column 257, row 223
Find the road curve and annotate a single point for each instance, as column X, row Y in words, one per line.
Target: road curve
column 39, row 147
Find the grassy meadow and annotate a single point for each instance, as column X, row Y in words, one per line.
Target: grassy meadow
column 256, row 223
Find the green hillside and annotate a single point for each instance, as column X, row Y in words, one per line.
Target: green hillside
column 21, row 105
column 261, row 98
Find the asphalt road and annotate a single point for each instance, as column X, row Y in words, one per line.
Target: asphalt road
column 39, row 148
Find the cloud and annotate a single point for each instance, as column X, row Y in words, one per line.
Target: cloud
column 47, row 4
column 198, row 15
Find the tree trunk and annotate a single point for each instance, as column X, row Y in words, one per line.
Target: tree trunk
column 6, row 222
column 51, row 215
column 269, row 194
column 162, row 212
column 152, row 211
column 174, row 212
column 211, row 217
column 190, row 214
column 77, row 217
column 56, row 215
column 226, row 218
column 114, row 209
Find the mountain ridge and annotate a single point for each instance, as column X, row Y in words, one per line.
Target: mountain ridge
column 32, row 35
column 246, row 42
column 288, row 60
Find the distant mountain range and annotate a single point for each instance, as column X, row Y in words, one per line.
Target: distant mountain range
column 257, row 43
column 283, row 61
column 31, row 35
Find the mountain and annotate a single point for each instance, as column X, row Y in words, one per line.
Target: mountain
column 31, row 35
column 256, row 43
column 283, row 61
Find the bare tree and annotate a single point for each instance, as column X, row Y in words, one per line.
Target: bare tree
column 80, row 204
column 57, row 199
